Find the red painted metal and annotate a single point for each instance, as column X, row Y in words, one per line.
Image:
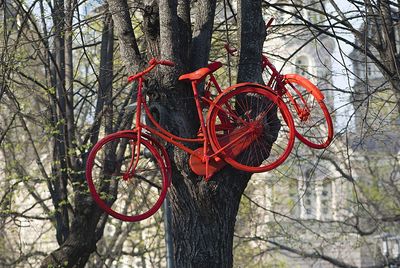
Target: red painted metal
column 160, row 148
column 209, row 157
column 202, row 72
column 249, row 128
column 303, row 108
column 285, row 85
column 199, row 165
column 239, row 139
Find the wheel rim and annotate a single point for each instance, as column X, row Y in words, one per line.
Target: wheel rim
column 246, row 104
column 128, row 196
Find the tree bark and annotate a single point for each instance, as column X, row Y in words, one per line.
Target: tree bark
column 203, row 218
column 252, row 30
column 388, row 49
column 130, row 53
column 86, row 230
column 103, row 105
column 69, row 82
column 202, row 31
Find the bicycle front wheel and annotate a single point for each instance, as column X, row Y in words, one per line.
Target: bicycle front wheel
column 261, row 132
column 127, row 179
column 313, row 123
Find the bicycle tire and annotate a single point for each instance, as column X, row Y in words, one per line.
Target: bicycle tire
column 316, row 129
column 122, row 195
column 164, row 156
column 242, row 105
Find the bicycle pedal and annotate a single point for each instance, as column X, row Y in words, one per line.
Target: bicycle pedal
column 200, row 134
column 198, row 166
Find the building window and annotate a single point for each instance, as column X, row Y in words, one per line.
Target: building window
column 326, row 200
column 369, row 70
column 309, row 199
column 301, row 65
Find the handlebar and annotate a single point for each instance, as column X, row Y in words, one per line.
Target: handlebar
column 152, row 63
column 230, row 50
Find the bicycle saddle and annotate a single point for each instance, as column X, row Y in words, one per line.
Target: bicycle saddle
column 202, row 72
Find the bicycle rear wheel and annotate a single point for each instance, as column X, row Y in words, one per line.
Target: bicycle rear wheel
column 126, row 185
column 313, row 123
column 261, row 132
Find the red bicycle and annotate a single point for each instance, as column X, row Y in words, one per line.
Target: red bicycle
column 247, row 126
column 313, row 123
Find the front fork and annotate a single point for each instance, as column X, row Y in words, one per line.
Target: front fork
column 135, row 148
column 280, row 87
column 130, row 172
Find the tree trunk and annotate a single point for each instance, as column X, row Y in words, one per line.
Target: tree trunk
column 58, row 187
column 123, row 26
column 202, row 31
column 389, row 50
column 203, row 218
column 86, row 230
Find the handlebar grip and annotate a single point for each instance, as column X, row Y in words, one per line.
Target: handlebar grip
column 269, row 23
column 230, row 49
column 166, row 63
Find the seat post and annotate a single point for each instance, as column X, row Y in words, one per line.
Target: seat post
column 200, row 114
